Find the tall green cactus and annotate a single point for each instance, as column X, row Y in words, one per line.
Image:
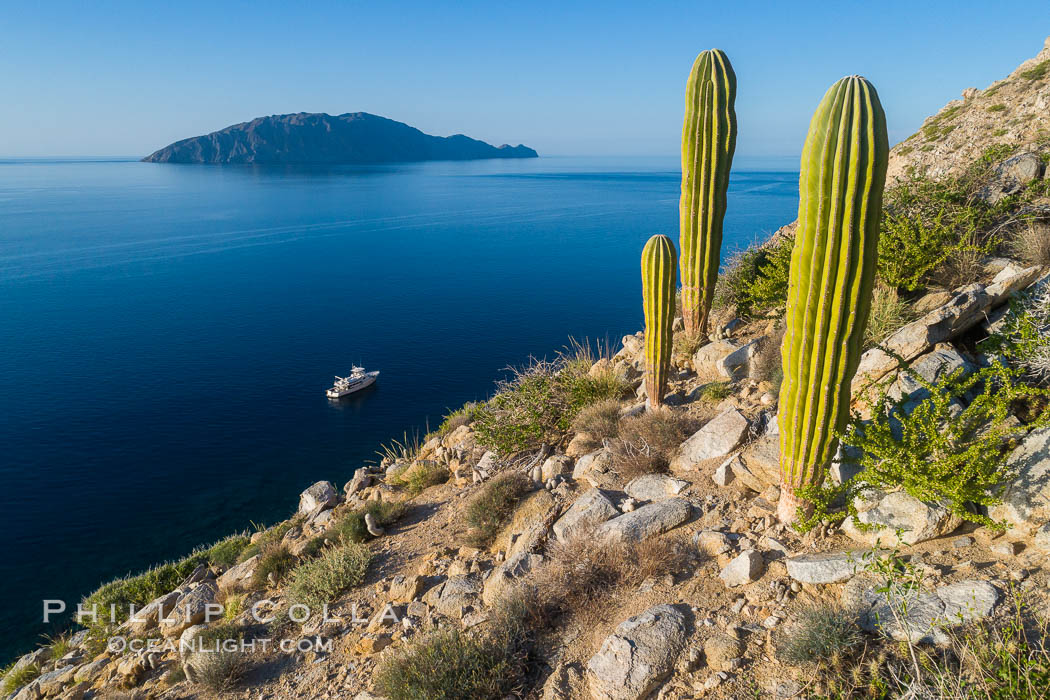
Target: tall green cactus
column 708, row 142
column 659, row 275
column 842, row 174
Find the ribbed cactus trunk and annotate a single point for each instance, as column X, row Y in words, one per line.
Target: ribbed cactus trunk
column 843, row 172
column 659, row 274
column 708, row 142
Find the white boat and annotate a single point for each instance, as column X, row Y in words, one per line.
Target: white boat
column 357, row 379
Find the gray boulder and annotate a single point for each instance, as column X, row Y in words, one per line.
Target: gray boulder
column 318, row 497
column 655, row 487
column 922, row 617
column 507, row 574
column 918, row 521
column 830, row 567
column 720, row 436
column 361, row 479
column 1026, row 501
column 640, row 654
column 592, row 508
column 708, row 359
column 555, row 465
column 649, row 520
column 454, row 596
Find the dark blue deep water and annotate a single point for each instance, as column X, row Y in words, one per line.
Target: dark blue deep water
column 168, row 331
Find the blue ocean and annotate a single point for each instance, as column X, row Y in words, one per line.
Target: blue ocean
column 168, row 331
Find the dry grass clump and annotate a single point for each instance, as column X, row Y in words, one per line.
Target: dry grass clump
column 766, row 364
column 579, row 574
column 601, row 420
column 646, row 442
column 421, row 475
column 218, row 661
column 889, row 313
column 820, row 635
column 1031, row 243
column 486, row 663
column 964, row 263
column 491, row 508
column 688, row 343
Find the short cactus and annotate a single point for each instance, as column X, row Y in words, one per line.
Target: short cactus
column 843, row 172
column 708, row 143
column 659, row 275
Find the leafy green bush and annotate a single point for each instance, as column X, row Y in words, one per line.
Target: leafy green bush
column 322, row 580
column 227, row 551
column 1037, row 72
column 490, row 509
column 269, row 536
column 139, row 590
column 942, row 450
column 755, row 281
column 461, row 416
column 820, row 635
column 997, row 108
column 275, row 561
column 539, row 402
column 351, row 527
column 715, row 391
column 1024, row 338
column 15, row 679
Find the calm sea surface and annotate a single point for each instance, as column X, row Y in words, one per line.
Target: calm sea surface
column 168, row 331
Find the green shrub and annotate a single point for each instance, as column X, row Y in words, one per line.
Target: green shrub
column 492, row 507
column 322, row 580
column 1023, row 340
column 351, row 527
column 755, row 280
column 421, row 475
column 539, row 402
column 275, row 560
column 997, row 108
column 939, row 451
column 227, row 551
column 716, row 391
column 820, row 636
column 928, row 224
column 1037, row 72
column 15, row 679
column 139, row 590
column 461, row 416
column 269, row 536
column 488, row 663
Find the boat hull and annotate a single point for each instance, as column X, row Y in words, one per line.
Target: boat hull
column 364, row 383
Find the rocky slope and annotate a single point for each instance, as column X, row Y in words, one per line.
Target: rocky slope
column 356, row 137
column 1011, row 111
column 709, row 591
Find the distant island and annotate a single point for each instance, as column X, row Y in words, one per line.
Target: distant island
column 356, row 137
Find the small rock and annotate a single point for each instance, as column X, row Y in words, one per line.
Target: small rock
column 746, row 568
column 655, row 487
column 723, row 476
column 555, row 465
column 962, row 542
column 713, row 542
column 649, row 520
column 1006, row 549
column 720, row 651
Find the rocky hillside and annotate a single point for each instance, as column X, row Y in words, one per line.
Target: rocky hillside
column 321, row 138
column 1011, row 111
column 562, row 540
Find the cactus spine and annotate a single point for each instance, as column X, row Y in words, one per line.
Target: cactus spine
column 842, row 174
column 708, row 142
column 659, row 275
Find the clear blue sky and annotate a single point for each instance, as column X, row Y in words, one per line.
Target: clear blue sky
column 125, row 78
